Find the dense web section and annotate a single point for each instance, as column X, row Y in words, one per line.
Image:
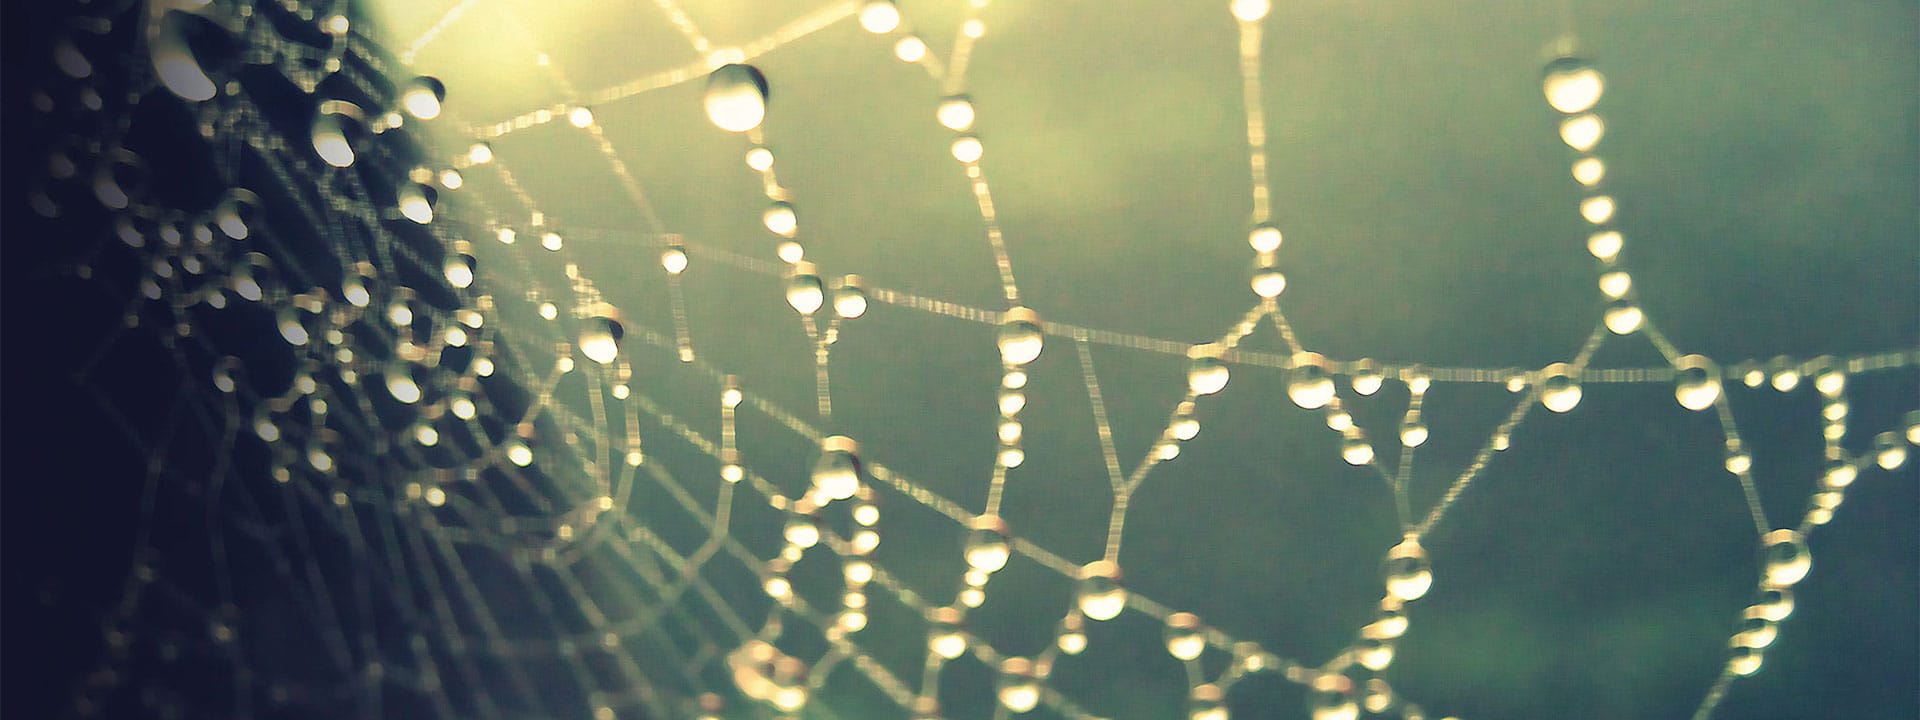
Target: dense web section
column 416, row 450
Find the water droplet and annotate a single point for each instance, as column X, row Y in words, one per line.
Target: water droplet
column 174, row 61
column 987, row 549
column 1615, row 284
column 1373, row 653
column 1839, row 474
column 1367, row 378
column 1623, row 317
column 1207, row 702
column 1560, row 391
column 1356, row 451
column 460, row 264
column 1268, row 282
column 422, row 97
column 1597, row 209
column 967, row 149
column 519, row 454
column 1072, row 639
column 1184, row 427
column 1019, row 337
column 335, row 131
column 780, row 219
column 1773, row 604
column 1012, row 402
column 1785, row 560
column 956, row 113
column 760, row 159
column 580, row 117
column 910, row 49
column 1413, row 434
column 1309, row 384
column 1589, row 171
column 1697, row 384
column 1743, row 660
column 1250, row 10
column 1391, row 624
column 1756, row 631
column 674, row 259
column 1185, row 640
column 1407, row 572
column 1582, row 132
column 945, row 638
column 1572, row 85
column 1206, row 373
column 1018, row 688
column 879, row 16
column 850, row 298
column 1888, row 452
column 1331, row 698
column 601, row 332
column 1264, row 238
column 836, row 475
column 1605, row 245
column 805, row 291
column 1101, row 596
column 293, row 326
column 801, row 532
column 736, row 98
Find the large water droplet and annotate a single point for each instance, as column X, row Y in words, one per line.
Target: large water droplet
column 1623, row 317
column 1888, row 452
column 805, row 291
column 1697, row 384
column 1582, row 132
column 1785, row 560
column 836, row 475
column 1356, row 450
column 879, row 16
column 736, row 97
column 850, row 298
column 1560, row 391
column 1100, row 595
column 336, row 131
column 1019, row 337
column 987, row 549
column 600, row 334
column 956, row 113
column 1572, row 85
column 1206, row 373
column 780, row 219
column 1373, row 653
column 401, row 385
column 801, row 532
column 174, row 60
column 1309, row 384
column 1264, row 237
column 422, row 97
column 1250, row 10
column 1185, row 639
column 1407, row 572
column 1018, row 689
column 945, row 637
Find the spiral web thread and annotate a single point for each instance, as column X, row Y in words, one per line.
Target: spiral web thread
column 478, row 551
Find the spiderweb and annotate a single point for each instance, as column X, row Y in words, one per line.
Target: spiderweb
column 427, row 426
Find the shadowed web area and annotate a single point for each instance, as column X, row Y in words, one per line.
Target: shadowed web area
column 862, row 359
